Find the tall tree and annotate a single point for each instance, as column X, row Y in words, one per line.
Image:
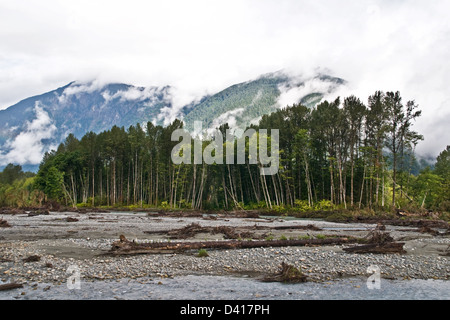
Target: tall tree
column 399, row 130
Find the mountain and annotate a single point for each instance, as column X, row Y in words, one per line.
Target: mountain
column 245, row 103
column 40, row 123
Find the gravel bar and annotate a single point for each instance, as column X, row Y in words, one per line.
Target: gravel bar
column 85, row 249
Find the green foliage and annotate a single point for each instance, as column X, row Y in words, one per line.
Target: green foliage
column 324, row 205
column 16, row 188
column 53, row 184
column 427, row 188
column 442, row 166
column 202, row 253
column 331, row 159
column 269, row 237
column 165, row 205
column 11, row 173
column 301, row 205
column 279, row 210
column 258, row 97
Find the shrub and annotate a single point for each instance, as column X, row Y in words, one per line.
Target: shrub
column 269, row 237
column 324, row 205
column 279, row 210
column 165, row 205
column 302, row 205
column 202, row 253
column 445, row 206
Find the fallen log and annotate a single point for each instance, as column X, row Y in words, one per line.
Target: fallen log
column 428, row 230
column 126, row 247
column 244, row 232
column 378, row 248
column 39, row 212
column 11, row 211
column 307, row 227
column 10, row 286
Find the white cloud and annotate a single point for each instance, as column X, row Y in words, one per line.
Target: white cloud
column 299, row 88
column 228, row 117
column 202, row 46
column 77, row 87
column 27, row 147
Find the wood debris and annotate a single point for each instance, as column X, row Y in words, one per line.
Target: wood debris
column 10, row 286
column 287, row 274
column 126, row 247
column 378, row 242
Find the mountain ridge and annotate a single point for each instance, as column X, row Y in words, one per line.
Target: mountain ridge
column 39, row 123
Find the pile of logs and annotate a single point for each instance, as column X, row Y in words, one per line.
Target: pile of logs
column 126, row 247
column 378, row 242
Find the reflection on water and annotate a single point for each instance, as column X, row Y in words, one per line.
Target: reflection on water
column 235, row 288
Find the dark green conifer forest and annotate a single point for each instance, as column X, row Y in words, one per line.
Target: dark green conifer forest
column 346, row 154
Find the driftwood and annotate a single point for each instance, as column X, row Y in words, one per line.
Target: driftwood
column 39, row 212
column 307, row 227
column 10, row 286
column 32, row 259
column 126, row 247
column 446, row 252
column 191, row 230
column 287, row 274
column 378, row 242
column 11, row 211
column 393, row 247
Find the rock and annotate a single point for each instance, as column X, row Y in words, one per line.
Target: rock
column 4, row 224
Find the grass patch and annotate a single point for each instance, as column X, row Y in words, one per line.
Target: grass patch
column 202, row 253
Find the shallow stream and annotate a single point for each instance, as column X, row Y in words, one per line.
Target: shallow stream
column 234, row 288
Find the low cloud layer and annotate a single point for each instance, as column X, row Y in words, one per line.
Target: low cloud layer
column 28, row 146
column 202, row 47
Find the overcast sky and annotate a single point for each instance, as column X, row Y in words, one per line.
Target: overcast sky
column 204, row 46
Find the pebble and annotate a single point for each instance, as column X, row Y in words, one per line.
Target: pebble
column 318, row 263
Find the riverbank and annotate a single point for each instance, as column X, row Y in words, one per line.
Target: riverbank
column 62, row 240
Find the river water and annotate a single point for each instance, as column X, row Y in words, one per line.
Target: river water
column 234, row 288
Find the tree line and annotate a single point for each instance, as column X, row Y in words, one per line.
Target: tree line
column 340, row 154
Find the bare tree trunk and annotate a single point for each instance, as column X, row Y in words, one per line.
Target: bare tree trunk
column 341, row 184
column 224, row 190
column 253, row 185
column 93, row 185
column 74, row 198
column 275, row 190
column 331, row 182
column 157, row 185
column 193, row 186
column 266, row 190
column 362, row 187
column 199, row 198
